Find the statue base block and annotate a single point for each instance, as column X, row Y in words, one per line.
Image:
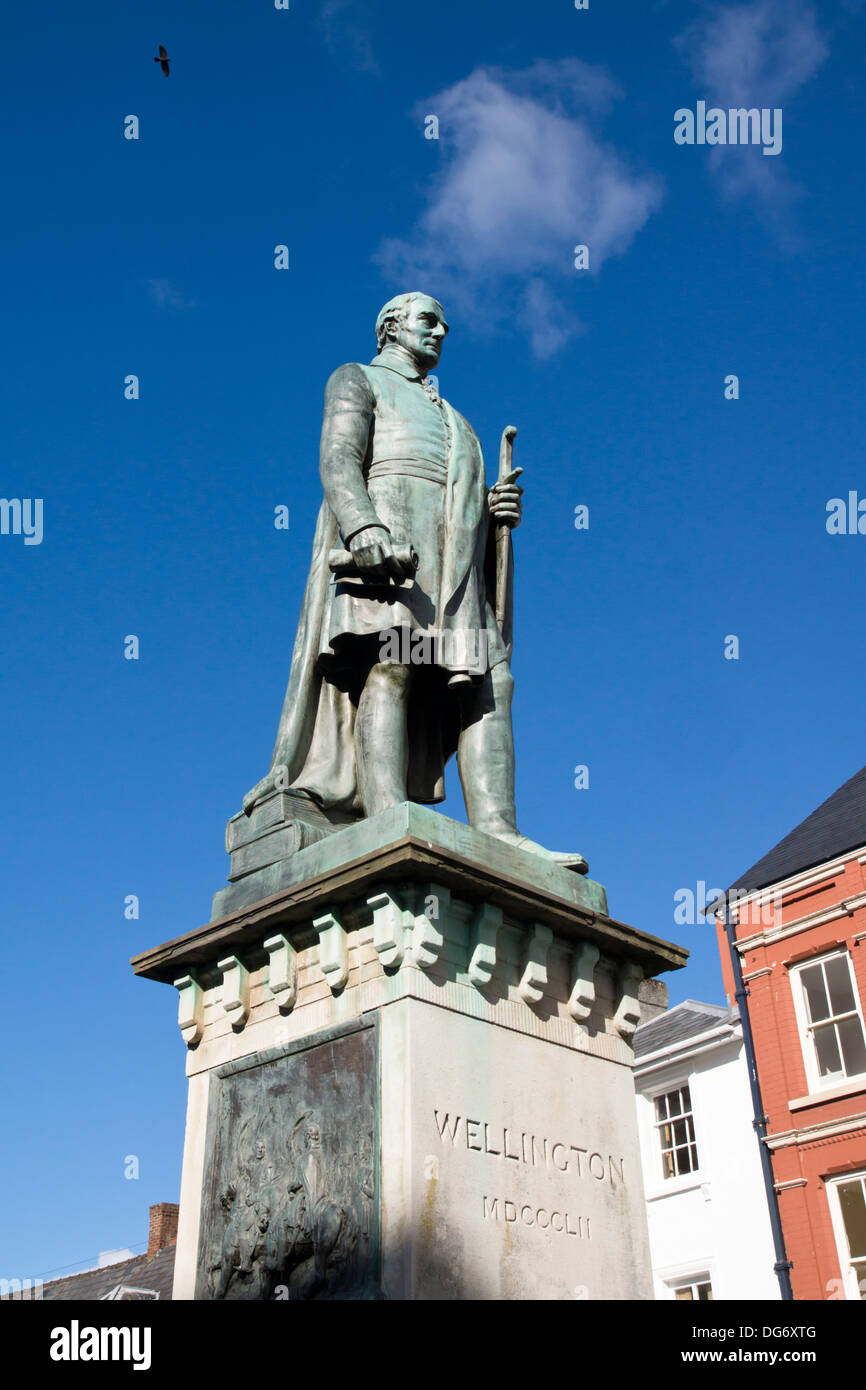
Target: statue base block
column 288, row 841
column 410, row 1077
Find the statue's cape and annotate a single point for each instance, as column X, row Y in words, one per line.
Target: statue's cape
column 308, row 715
column 315, row 738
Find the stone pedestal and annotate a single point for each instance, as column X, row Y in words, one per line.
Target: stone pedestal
column 409, row 1061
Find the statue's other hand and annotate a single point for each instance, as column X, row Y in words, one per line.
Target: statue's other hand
column 505, row 504
column 373, row 553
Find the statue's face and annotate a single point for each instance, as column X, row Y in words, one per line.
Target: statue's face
column 313, row 1137
column 421, row 332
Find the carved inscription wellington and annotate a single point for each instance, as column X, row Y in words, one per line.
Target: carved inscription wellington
column 291, row 1209
column 521, row 1146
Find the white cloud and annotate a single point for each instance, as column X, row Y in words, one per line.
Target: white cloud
column 346, row 36
column 545, row 319
column 113, row 1257
column 526, row 177
column 755, row 54
column 166, row 296
column 758, row 54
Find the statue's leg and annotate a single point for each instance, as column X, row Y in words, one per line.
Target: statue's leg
column 485, row 758
column 485, row 754
column 382, row 737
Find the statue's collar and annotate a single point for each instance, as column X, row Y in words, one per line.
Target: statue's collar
column 397, row 359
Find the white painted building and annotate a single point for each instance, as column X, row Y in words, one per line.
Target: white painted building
column 709, row 1225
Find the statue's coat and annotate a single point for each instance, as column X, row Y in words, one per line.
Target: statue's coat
column 315, row 739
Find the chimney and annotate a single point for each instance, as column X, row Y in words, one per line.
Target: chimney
column 653, row 999
column 163, row 1227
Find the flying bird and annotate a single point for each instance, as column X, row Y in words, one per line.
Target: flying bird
column 163, row 60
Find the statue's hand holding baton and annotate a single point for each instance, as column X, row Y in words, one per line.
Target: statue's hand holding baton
column 505, row 508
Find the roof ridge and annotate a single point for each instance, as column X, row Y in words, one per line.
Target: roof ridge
column 96, row 1269
column 719, row 1010
column 836, row 825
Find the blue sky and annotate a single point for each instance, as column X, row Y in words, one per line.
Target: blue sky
column 707, row 516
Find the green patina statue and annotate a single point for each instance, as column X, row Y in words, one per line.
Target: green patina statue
column 399, row 659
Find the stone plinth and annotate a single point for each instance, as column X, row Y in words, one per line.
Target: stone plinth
column 410, row 1075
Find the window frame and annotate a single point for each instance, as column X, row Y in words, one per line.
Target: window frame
column 129, row 1293
column 815, row 1081
column 670, row 1181
column 850, row 1278
column 691, row 1281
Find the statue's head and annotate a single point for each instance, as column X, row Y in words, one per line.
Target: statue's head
column 417, row 323
column 313, row 1136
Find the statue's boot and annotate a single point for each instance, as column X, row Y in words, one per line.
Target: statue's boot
column 485, row 757
column 563, row 858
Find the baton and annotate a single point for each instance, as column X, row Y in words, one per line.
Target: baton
column 507, row 474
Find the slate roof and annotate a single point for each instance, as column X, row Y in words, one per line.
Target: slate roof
column 678, row 1024
column 839, row 824
column 156, row 1273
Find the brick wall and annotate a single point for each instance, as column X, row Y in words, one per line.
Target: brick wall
column 163, row 1226
column 767, row 963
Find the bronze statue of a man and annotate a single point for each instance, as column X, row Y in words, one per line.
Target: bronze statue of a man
column 394, row 670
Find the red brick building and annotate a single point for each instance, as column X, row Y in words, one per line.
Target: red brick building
column 799, row 918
